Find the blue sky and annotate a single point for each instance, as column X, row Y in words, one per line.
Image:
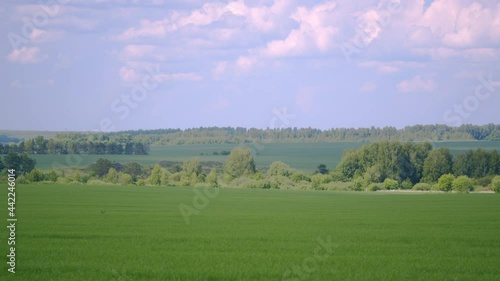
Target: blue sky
column 127, row 64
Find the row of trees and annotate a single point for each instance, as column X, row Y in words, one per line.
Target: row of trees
column 415, row 163
column 241, row 135
column 102, row 145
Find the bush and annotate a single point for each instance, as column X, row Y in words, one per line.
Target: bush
column 463, row 184
column 484, row 181
column 279, row 168
column 375, row 186
column 141, row 182
column 51, row 176
column 125, row 179
column 358, row 184
column 391, row 184
column 406, row 184
column 445, row 182
column 35, row 176
column 422, row 186
column 337, row 186
column 495, row 184
column 299, row 176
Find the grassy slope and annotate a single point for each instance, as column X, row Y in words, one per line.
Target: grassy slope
column 137, row 233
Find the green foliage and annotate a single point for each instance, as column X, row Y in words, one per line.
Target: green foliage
column 211, row 179
column 51, row 176
column 112, row 176
column 375, row 187
column 378, row 161
column 35, row 176
column 240, row 163
column 134, row 169
column 495, row 184
column 299, row 176
column 192, row 166
column 422, row 186
column 156, row 174
column 165, row 177
column 322, row 169
column 406, row 184
column 391, row 184
column 437, row 163
column 445, row 182
column 77, row 177
column 279, row 168
column 22, row 163
column 125, row 179
column 463, row 184
column 101, row 167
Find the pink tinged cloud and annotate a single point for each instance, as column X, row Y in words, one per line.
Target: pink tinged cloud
column 416, row 84
column 26, row 55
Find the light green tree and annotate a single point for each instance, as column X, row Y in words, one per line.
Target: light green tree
column 391, row 184
column 495, row 184
column 77, row 177
column 279, row 168
column 155, row 178
column 463, row 184
column 239, row 163
column 112, row 176
column 212, row 178
column 165, row 177
column 125, row 179
column 445, row 182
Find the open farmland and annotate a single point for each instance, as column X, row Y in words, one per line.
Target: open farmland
column 302, row 156
column 70, row 232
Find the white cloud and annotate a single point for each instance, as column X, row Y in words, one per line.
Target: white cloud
column 128, row 74
column 263, row 18
column 315, row 32
column 416, row 84
column 26, row 55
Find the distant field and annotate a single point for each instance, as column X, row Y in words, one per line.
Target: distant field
column 303, row 156
column 137, row 233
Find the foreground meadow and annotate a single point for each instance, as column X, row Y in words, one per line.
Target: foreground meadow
column 68, row 232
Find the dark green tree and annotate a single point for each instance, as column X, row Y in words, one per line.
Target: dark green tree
column 134, row 169
column 13, row 161
column 28, row 164
column 101, row 167
column 322, row 169
column 437, row 163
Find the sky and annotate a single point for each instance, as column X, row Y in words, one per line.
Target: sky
column 112, row 65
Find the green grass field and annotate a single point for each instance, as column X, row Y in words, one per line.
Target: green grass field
column 302, row 156
column 138, row 233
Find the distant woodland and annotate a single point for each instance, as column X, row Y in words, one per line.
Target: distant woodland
column 137, row 142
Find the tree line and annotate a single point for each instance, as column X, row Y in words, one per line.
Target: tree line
column 77, row 143
column 229, row 135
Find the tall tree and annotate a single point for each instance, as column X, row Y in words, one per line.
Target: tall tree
column 437, row 163
column 240, row 163
column 101, row 167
